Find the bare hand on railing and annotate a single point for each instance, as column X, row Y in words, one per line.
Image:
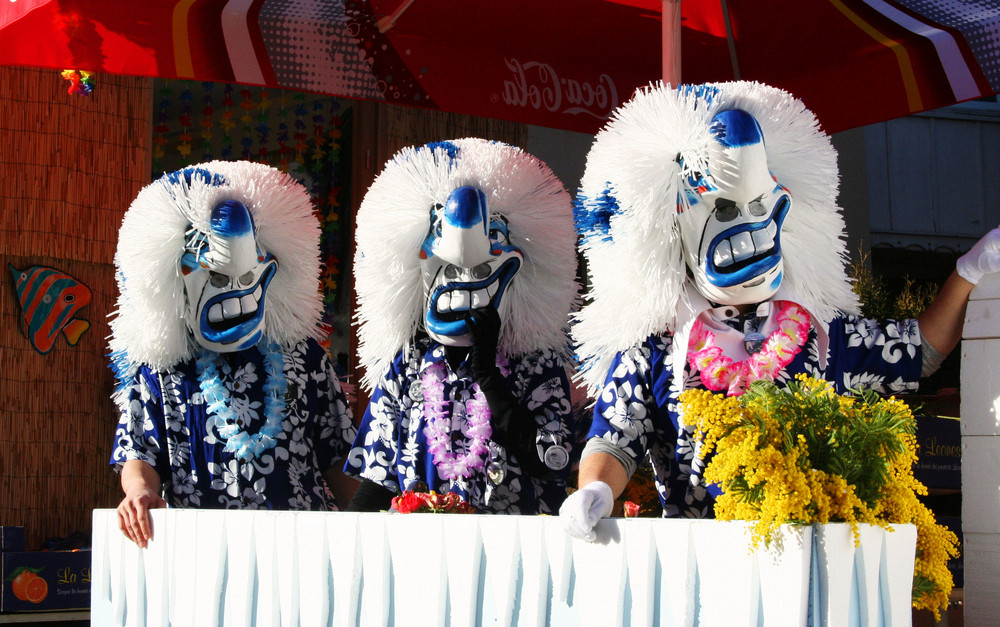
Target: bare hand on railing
column 142, row 493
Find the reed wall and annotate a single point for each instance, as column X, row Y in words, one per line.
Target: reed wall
column 71, row 165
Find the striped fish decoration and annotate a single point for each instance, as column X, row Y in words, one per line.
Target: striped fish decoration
column 49, row 301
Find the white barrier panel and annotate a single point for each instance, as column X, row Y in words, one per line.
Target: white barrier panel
column 236, row 568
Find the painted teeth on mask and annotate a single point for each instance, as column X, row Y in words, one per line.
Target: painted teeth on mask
column 444, row 302
column 235, row 307
column 462, row 300
column 248, row 304
column 744, row 246
column 459, row 300
column 480, row 298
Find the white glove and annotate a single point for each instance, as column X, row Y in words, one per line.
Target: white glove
column 984, row 258
column 582, row 509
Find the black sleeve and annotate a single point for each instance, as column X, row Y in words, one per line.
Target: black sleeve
column 513, row 426
column 370, row 497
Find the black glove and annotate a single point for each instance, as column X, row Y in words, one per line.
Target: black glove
column 370, row 497
column 513, row 426
column 484, row 325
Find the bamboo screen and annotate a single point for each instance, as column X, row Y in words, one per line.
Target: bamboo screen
column 409, row 126
column 72, row 164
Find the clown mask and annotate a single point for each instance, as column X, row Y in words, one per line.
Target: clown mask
column 469, row 264
column 226, row 276
column 731, row 232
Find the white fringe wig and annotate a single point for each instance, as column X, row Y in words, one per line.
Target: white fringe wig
column 394, row 219
column 634, row 186
column 149, row 326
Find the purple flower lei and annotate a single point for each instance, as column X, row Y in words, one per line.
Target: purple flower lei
column 438, row 430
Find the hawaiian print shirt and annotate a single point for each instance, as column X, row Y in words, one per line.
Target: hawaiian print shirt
column 391, row 447
column 636, row 410
column 166, row 426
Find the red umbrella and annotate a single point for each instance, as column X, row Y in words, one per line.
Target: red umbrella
column 558, row 63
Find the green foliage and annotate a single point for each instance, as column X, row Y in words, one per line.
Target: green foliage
column 877, row 299
column 857, row 437
column 923, row 585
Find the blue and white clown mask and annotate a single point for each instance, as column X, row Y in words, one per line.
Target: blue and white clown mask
column 226, row 277
column 195, row 244
column 679, row 179
column 470, row 262
column 454, row 226
column 731, row 233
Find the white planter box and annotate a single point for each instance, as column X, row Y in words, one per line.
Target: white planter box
column 283, row 568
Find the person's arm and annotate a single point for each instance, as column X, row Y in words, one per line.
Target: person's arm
column 370, row 497
column 941, row 324
column 374, row 456
column 612, row 453
column 336, row 427
column 601, row 478
column 603, row 467
column 514, row 427
column 141, row 485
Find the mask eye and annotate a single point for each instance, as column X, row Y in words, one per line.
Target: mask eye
column 481, row 271
column 757, row 208
column 246, row 279
column 451, row 272
column 726, row 210
column 498, row 237
column 218, row 280
column 498, row 232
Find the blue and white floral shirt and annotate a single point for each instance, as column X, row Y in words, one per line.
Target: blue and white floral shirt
column 166, row 426
column 636, row 410
column 391, row 447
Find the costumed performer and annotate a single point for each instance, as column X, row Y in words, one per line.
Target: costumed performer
column 716, row 253
column 465, row 273
column 227, row 399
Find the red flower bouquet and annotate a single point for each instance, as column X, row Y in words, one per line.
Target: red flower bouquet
column 413, row 502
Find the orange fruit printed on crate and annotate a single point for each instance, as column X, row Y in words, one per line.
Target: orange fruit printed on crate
column 20, row 582
column 36, row 589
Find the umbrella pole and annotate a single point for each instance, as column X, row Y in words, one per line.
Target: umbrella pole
column 671, row 43
column 731, row 40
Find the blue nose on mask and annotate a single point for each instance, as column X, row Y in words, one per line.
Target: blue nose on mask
column 464, row 239
column 232, row 244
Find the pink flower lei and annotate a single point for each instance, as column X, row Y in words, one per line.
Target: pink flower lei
column 719, row 372
column 438, row 430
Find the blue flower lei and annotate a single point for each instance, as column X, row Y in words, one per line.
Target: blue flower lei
column 217, row 397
